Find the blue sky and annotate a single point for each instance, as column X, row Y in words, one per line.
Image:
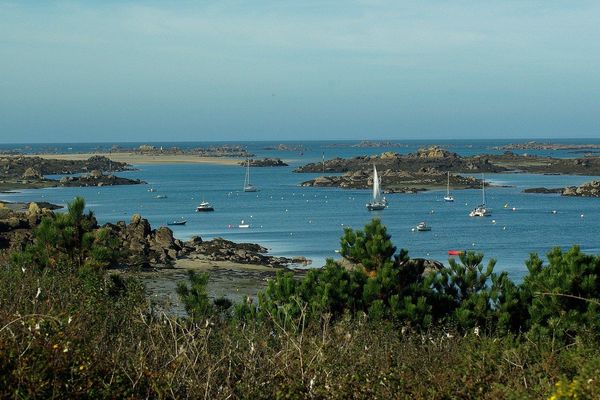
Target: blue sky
column 235, row 70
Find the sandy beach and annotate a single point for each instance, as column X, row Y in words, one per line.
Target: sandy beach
column 137, row 158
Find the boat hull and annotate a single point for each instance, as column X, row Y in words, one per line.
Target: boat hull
column 376, row 206
column 176, row 223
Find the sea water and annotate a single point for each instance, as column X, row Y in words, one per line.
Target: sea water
column 291, row 220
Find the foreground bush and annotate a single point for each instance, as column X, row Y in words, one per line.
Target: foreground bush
column 385, row 328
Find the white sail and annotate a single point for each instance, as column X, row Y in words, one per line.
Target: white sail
column 376, row 182
column 378, row 203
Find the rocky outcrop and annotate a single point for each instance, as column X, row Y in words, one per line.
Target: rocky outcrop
column 219, row 249
column 395, row 181
column 367, row 144
column 434, row 152
column 28, row 172
column 17, row 222
column 543, row 190
column 97, row 178
column 32, row 173
column 35, row 167
column 546, row 146
column 430, row 158
column 588, row 189
column 287, row 147
column 141, row 247
column 212, row 151
column 264, row 162
column 443, row 160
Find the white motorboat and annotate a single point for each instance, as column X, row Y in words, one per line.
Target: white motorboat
column 204, row 206
column 422, row 227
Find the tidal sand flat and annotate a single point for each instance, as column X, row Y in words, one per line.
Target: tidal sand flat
column 137, row 158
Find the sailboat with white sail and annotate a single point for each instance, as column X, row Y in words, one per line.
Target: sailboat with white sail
column 448, row 197
column 248, row 187
column 481, row 210
column 378, row 202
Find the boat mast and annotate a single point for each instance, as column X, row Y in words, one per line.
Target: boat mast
column 483, row 187
column 448, row 186
column 247, row 180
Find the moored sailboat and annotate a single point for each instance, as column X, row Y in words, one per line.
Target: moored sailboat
column 248, row 187
column 378, row 202
column 481, row 210
column 448, row 197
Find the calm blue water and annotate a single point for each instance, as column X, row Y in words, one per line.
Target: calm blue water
column 293, row 221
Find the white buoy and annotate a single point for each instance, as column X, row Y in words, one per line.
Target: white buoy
column 582, row 215
column 493, row 221
column 514, row 208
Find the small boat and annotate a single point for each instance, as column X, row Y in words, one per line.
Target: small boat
column 248, row 187
column 181, row 222
column 455, row 252
column 205, row 206
column 243, row 224
column 152, row 190
column 161, row 196
column 378, row 202
column 423, row 227
column 448, row 197
column 481, row 210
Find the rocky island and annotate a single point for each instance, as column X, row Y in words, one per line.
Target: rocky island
column 210, row 151
column 29, row 172
column 287, row 147
column 264, row 162
column 367, row 144
column 427, row 168
column 588, row 189
column 533, row 145
column 423, row 170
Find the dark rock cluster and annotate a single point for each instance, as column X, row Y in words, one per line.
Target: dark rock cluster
column 219, row 249
column 141, row 247
column 97, row 178
column 264, row 162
